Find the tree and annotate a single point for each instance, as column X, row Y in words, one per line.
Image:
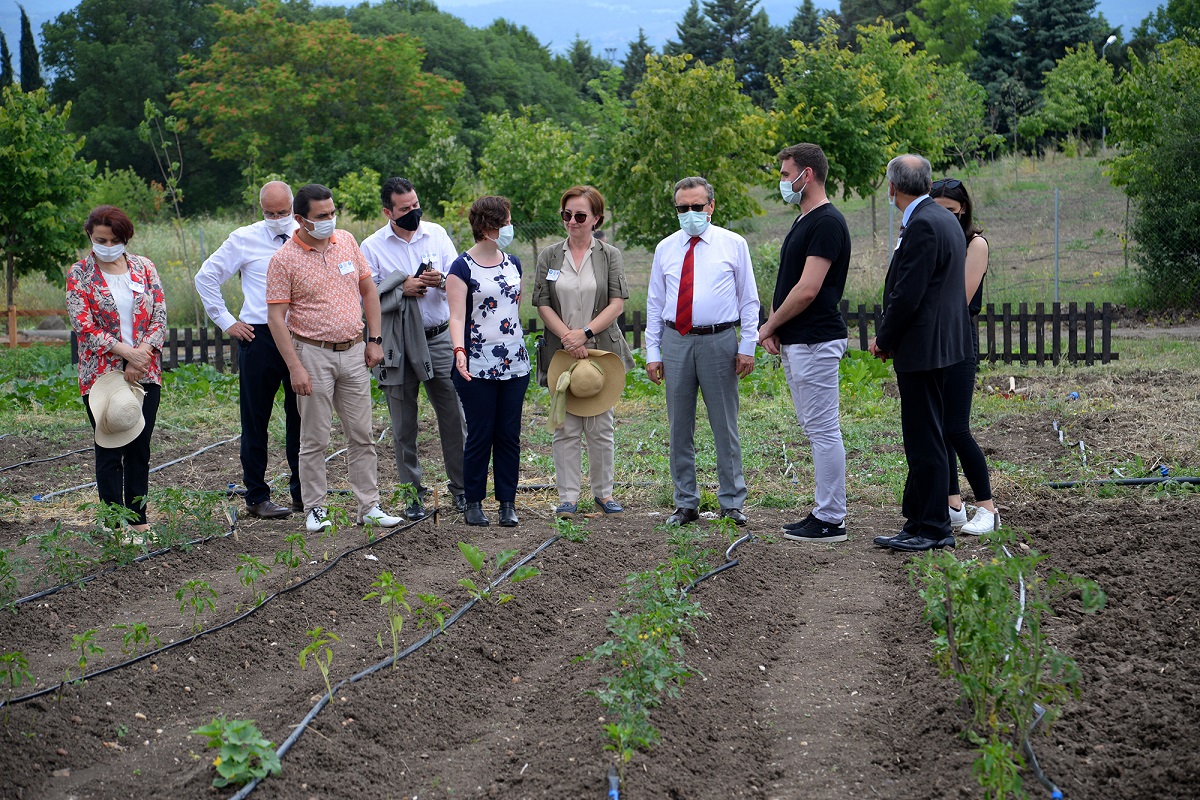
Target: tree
column 441, row 169
column 1170, row 21
column 31, row 68
column 44, row 179
column 1048, row 28
column 950, row 29
column 1073, row 95
column 686, row 122
column 585, row 65
column 870, row 12
column 697, row 36
column 7, row 77
column 806, row 24
column 634, row 66
column 270, row 84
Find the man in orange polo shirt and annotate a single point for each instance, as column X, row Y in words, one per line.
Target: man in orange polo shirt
column 318, row 286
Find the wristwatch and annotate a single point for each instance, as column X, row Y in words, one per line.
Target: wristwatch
column 587, row 333
column 375, row 339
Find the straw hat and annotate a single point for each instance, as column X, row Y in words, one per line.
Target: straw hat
column 117, row 406
column 596, row 382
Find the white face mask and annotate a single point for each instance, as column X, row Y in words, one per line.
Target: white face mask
column 279, row 227
column 693, row 223
column 108, row 253
column 322, row 229
column 505, row 237
column 790, row 196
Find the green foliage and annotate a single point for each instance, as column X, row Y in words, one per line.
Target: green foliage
column 243, row 753
column 393, row 597
column 126, row 190
column 1074, row 96
column 86, row 645
column 320, row 652
column 31, row 68
column 687, row 119
column 569, row 530
column 62, row 563
column 432, row 611
column 14, row 671
column 196, row 595
column 860, row 379
column 39, row 163
column 950, row 29
column 11, row 566
column 249, row 570
column 200, row 381
column 295, row 554
column 441, row 169
column 357, row 194
column 135, row 634
column 185, row 515
column 489, row 569
column 270, row 83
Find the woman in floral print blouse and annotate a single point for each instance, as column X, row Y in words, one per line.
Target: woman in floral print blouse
column 115, row 301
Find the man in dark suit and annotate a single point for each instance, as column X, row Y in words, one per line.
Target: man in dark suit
column 924, row 330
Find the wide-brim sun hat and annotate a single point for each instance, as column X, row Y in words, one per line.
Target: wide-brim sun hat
column 596, row 382
column 117, row 407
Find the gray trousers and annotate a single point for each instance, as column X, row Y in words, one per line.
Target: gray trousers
column 402, row 408
column 812, row 376
column 706, row 364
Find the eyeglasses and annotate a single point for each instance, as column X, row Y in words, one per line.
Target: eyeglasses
column 579, row 216
column 945, row 183
column 683, row 209
column 277, row 214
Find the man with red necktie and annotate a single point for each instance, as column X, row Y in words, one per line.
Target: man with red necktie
column 701, row 290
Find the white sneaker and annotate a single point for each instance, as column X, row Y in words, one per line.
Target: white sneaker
column 318, row 520
column 376, row 516
column 984, row 522
column 958, row 518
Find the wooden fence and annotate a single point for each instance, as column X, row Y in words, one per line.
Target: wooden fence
column 1021, row 336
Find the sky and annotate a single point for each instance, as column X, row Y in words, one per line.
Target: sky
column 605, row 23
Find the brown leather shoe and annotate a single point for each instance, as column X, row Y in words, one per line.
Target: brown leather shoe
column 268, row 510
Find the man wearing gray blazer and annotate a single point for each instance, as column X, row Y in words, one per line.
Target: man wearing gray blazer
column 925, row 329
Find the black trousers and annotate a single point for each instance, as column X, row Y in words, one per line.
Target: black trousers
column 493, row 412
column 123, row 473
column 960, row 387
column 261, row 371
column 921, row 408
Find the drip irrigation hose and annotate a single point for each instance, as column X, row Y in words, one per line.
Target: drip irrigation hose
column 299, row 729
column 138, row 560
column 222, row 626
column 44, row 460
column 1122, row 482
column 152, row 470
column 730, row 561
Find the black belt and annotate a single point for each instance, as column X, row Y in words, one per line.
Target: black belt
column 702, row 330
column 436, row 329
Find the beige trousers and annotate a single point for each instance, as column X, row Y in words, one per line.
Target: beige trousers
column 341, row 382
column 568, row 456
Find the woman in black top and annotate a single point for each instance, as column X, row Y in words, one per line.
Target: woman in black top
column 960, row 379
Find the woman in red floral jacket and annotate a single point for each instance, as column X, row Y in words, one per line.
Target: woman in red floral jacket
column 116, row 304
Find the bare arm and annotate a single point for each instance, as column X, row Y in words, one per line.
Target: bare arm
column 373, row 353
column 277, row 322
column 797, row 300
column 456, row 298
column 977, row 263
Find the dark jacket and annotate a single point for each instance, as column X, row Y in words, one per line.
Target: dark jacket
column 925, row 322
column 609, row 268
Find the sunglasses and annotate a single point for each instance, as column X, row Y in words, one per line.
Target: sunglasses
column 683, row 209
column 579, row 216
column 945, row 183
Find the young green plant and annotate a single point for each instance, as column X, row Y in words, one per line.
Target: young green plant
column 243, row 753
column 321, row 653
column 196, row 595
column 14, row 671
column 135, row 635
column 393, row 597
column 249, row 570
column 489, row 569
column 86, row 645
column 569, row 530
column 295, row 554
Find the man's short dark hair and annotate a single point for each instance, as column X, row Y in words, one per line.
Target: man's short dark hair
column 807, row 156
column 489, row 212
column 305, row 197
column 395, row 186
column 910, row 174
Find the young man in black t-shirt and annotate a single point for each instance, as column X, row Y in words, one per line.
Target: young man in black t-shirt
column 807, row 330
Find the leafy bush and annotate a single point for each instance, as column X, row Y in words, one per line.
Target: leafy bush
column 244, row 754
column 125, row 189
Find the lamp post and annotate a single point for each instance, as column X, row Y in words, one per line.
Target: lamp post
column 1104, row 115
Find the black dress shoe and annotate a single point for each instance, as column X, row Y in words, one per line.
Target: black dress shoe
column 916, row 544
column 415, row 512
column 508, row 515
column 734, row 514
column 683, row 516
column 475, row 515
column 268, row 510
column 460, row 503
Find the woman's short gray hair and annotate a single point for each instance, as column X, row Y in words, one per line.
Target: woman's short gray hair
column 694, row 181
column 910, row 174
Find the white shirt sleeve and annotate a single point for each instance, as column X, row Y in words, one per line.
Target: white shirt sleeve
column 656, row 292
column 216, row 269
column 747, row 299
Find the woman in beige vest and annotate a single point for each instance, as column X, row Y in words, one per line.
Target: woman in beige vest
column 579, row 292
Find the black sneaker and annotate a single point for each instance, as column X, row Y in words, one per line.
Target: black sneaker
column 811, row 529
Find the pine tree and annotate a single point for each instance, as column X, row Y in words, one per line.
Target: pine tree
column 635, row 63
column 1049, row 28
column 697, row 36
column 31, row 70
column 6, row 69
column 805, row 26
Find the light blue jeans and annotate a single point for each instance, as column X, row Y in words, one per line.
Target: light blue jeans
column 812, row 376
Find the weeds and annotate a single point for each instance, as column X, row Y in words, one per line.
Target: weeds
column 489, row 569
column 187, row 515
column 196, row 595
column 319, row 650
column 243, row 754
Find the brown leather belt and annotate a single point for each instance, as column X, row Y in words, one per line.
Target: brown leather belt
column 702, row 330
column 437, row 330
column 336, row 347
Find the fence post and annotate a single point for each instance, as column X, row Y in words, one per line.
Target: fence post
column 1106, row 334
column 1089, row 333
column 637, row 328
column 173, row 339
column 1056, row 332
column 1023, row 322
column 991, row 331
column 219, row 353
column 204, row 345
column 1040, row 332
column 862, row 326
column 1007, row 322
column 1072, row 333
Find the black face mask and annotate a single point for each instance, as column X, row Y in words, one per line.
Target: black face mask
column 409, row 221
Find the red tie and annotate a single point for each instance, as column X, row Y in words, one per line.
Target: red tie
column 683, row 307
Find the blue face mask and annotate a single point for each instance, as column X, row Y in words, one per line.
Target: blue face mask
column 693, row 223
column 788, row 195
column 505, row 237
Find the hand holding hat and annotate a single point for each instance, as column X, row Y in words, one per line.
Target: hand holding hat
column 584, row 387
column 116, row 405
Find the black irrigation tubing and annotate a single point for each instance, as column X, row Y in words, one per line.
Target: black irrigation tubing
column 222, row 626
column 139, row 559
column 1122, row 482
column 730, row 561
column 152, row 469
column 44, row 460
column 299, row 729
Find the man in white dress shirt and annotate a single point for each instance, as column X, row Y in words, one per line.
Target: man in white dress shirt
column 409, row 258
column 261, row 370
column 701, row 289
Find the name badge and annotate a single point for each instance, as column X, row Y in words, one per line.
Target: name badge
column 136, row 287
column 552, row 274
column 346, row 268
